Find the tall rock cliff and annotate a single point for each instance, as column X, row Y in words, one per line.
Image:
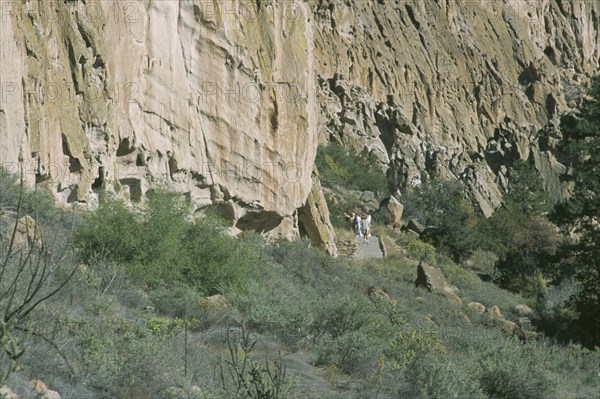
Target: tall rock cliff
column 454, row 88
column 209, row 98
column 225, row 100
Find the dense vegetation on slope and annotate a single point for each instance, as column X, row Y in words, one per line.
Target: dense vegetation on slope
column 134, row 321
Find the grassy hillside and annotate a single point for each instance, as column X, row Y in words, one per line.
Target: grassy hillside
column 288, row 321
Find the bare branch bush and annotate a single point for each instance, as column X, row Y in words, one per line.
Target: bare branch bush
column 242, row 377
column 30, row 273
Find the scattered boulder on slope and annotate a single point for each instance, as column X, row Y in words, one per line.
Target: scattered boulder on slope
column 524, row 310
column 433, row 280
column 42, row 390
column 377, row 295
column 476, row 307
column 28, row 235
column 508, row 326
column 216, row 303
column 6, row 392
column 391, row 211
column 415, row 226
column 495, row 312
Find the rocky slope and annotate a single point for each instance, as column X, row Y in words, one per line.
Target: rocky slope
column 226, row 101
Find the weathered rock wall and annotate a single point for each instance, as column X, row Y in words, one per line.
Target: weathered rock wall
column 454, row 88
column 223, row 100
column 209, row 98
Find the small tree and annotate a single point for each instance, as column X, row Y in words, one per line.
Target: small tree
column 580, row 258
column 519, row 233
column 521, row 268
column 526, row 194
column 450, row 219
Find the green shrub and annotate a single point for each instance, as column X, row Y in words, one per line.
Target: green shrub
column 265, row 310
column 163, row 232
column 505, row 367
column 213, row 259
column 36, row 203
column 176, row 300
column 158, row 246
column 351, row 333
column 452, row 222
column 337, row 166
column 433, row 376
column 112, row 232
column 513, row 378
column 421, row 251
column 339, row 209
column 164, row 326
column 336, row 316
column 409, row 343
column 353, row 351
column 520, row 268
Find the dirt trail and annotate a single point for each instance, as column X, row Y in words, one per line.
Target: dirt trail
column 370, row 250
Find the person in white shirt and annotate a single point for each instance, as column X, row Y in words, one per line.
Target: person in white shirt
column 357, row 225
column 366, row 227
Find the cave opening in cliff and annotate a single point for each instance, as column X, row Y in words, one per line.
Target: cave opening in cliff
column 225, row 211
column 529, row 75
column 73, row 194
column 173, row 168
column 125, row 148
column 302, row 229
column 261, row 222
column 99, row 182
column 74, row 164
column 551, row 54
column 133, row 187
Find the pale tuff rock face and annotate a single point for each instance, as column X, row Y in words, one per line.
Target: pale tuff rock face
column 213, row 99
column 455, row 89
column 222, row 100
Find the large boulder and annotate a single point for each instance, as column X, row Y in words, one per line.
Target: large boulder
column 378, row 295
column 27, row 235
column 415, row 226
column 42, row 391
column 524, row 310
column 313, row 219
column 7, row 393
column 433, row 280
column 391, row 211
column 476, row 307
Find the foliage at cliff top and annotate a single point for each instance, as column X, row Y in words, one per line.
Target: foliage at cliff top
column 338, row 166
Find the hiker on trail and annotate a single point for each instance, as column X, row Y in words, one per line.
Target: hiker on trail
column 357, row 226
column 366, row 227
